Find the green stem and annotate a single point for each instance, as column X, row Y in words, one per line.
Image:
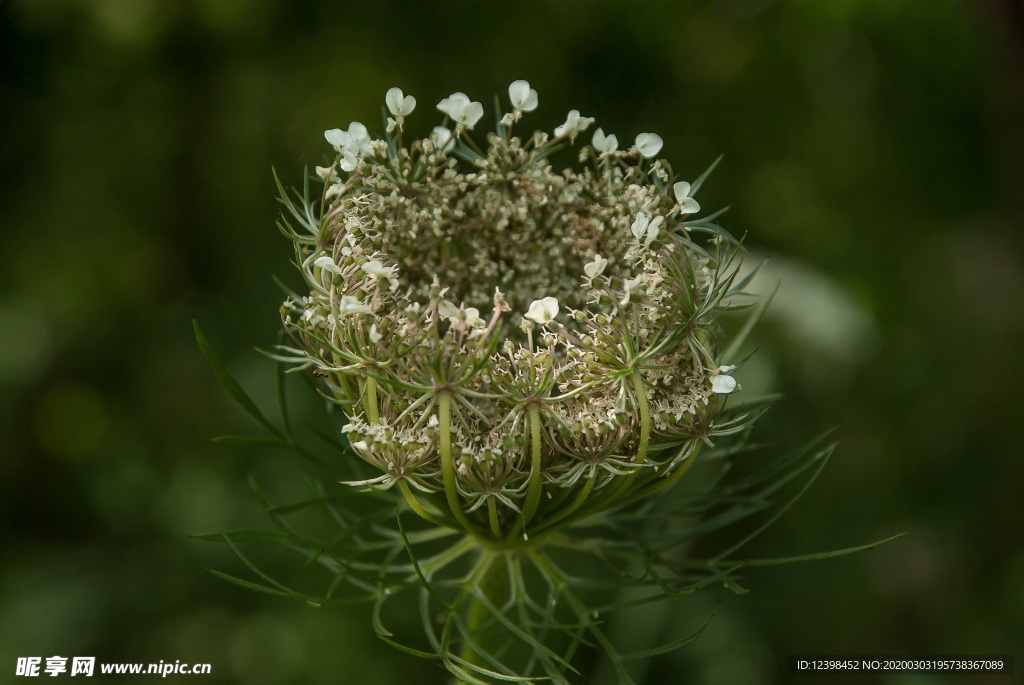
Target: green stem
column 447, row 463
column 492, row 517
column 370, row 400
column 346, row 386
column 490, row 580
column 645, row 418
column 533, row 489
column 622, row 487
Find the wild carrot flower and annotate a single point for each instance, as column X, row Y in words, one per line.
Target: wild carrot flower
column 519, row 353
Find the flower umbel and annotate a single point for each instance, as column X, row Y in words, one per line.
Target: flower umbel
column 589, row 373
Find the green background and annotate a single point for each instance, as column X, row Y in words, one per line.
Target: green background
column 874, row 151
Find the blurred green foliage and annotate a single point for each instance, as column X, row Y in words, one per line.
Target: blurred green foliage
column 874, row 151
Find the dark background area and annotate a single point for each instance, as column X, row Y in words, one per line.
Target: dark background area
column 874, row 150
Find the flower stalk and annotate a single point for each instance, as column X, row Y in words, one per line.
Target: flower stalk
column 447, row 464
column 533, row 489
column 484, row 634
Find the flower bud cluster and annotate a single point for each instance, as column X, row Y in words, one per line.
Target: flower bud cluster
column 508, row 341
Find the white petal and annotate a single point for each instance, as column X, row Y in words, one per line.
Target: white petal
column 351, row 305
column 518, row 93
column 398, row 103
column 358, row 140
column 455, row 106
column 574, row 124
column 336, row 137
column 357, row 130
column 629, row 285
column 375, row 336
column 649, row 144
column 688, row 206
column 394, row 100
column 595, row 268
column 473, row 317
column 471, row 114
column 570, row 123
column 408, row 105
column 543, row 310
column 327, row 263
column 682, row 190
column 443, row 135
column 376, row 267
column 348, row 161
column 523, row 97
column 611, row 143
column 452, row 103
column 652, row 233
column 531, row 102
column 639, row 226
column 723, row 385
column 447, row 309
